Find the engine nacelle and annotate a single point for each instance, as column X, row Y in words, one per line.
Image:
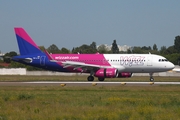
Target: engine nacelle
column 106, row 73
column 124, row 75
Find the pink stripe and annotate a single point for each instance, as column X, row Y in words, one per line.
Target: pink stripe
column 95, row 59
column 22, row 33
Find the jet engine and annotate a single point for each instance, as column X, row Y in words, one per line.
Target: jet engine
column 106, row 73
column 124, row 75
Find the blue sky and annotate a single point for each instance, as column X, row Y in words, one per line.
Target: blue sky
column 71, row 23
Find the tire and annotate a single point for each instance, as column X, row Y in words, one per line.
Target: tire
column 151, row 79
column 101, row 79
column 90, row 78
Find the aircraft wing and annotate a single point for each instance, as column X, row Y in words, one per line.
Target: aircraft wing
column 82, row 65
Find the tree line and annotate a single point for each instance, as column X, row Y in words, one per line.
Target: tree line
column 172, row 53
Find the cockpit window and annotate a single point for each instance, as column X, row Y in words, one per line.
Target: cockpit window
column 163, row 60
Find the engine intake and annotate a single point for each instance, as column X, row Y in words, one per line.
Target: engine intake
column 106, row 73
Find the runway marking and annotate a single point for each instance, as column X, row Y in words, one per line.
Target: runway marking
column 59, row 83
column 55, row 82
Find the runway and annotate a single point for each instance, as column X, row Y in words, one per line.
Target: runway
column 59, row 83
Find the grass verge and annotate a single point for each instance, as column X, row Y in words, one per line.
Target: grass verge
column 94, row 102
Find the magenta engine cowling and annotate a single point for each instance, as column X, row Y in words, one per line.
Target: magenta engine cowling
column 124, row 75
column 106, row 73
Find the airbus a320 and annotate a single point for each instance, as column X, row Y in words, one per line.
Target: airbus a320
column 99, row 65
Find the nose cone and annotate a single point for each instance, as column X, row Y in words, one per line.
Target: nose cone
column 170, row 66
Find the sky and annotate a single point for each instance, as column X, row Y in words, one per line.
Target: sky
column 72, row 23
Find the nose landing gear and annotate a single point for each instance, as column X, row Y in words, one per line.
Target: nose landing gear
column 151, row 77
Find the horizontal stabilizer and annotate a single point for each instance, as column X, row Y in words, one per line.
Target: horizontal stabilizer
column 26, row 60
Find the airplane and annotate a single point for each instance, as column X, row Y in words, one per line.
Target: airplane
column 99, row 65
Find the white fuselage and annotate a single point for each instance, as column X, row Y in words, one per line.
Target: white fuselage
column 139, row 63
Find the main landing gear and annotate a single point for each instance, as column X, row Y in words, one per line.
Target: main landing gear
column 151, row 77
column 101, row 79
column 91, row 78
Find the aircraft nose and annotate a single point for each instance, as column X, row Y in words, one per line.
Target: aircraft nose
column 171, row 66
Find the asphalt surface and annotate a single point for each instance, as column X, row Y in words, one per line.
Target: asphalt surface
column 57, row 83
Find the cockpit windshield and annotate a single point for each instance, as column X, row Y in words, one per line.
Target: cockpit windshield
column 163, row 60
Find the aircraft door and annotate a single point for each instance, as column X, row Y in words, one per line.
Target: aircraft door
column 42, row 60
column 149, row 60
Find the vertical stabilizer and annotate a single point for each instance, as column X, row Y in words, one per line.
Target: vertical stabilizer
column 25, row 43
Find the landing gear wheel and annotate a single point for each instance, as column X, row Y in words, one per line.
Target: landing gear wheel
column 90, row 78
column 151, row 79
column 101, row 79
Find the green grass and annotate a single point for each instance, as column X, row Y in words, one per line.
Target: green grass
column 153, row 102
column 83, row 78
column 90, row 103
